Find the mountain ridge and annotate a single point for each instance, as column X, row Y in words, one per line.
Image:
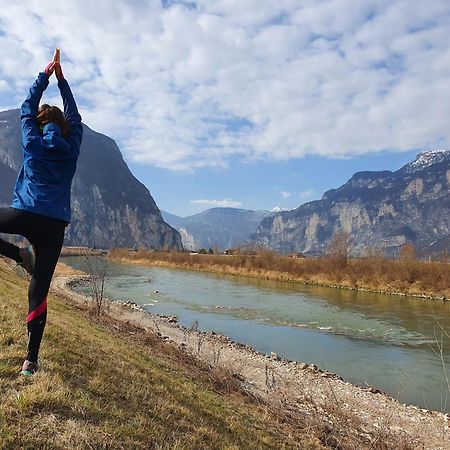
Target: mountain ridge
column 382, row 209
column 220, row 228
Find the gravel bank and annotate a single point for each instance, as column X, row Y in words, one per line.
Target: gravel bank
column 320, row 398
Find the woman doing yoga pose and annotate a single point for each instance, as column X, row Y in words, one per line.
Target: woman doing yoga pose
column 40, row 210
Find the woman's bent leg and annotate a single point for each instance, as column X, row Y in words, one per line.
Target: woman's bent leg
column 10, row 251
column 12, row 221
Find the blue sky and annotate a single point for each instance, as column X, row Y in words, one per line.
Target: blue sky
column 259, row 185
column 255, row 104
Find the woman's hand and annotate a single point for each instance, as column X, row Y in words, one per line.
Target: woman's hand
column 58, row 71
column 50, row 69
column 55, row 66
column 57, row 55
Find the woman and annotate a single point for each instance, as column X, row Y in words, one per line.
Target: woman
column 40, row 210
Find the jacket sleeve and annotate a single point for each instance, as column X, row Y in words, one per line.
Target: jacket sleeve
column 72, row 115
column 31, row 136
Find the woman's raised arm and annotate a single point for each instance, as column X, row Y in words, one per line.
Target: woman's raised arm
column 71, row 113
column 28, row 112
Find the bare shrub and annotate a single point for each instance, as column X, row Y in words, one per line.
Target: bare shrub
column 408, row 252
column 338, row 248
column 408, row 259
column 440, row 334
column 96, row 266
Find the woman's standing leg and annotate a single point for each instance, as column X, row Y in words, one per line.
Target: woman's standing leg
column 47, row 241
column 47, row 236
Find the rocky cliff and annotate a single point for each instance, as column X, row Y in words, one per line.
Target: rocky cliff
column 380, row 210
column 110, row 207
column 216, row 227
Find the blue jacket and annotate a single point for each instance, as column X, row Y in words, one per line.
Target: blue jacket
column 49, row 161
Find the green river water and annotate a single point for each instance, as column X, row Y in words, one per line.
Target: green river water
column 385, row 341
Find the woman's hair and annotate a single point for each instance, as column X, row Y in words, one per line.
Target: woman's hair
column 52, row 114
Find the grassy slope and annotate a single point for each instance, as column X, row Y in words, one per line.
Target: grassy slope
column 98, row 389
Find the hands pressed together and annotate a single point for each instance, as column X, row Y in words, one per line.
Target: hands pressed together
column 55, row 66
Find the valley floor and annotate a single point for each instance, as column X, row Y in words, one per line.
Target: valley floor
column 351, row 417
column 137, row 380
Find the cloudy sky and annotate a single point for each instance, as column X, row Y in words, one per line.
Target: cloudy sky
column 247, row 103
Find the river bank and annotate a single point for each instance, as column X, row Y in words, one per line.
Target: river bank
column 319, row 397
column 106, row 384
column 416, row 279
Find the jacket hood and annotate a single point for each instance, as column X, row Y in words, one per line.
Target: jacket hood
column 52, row 137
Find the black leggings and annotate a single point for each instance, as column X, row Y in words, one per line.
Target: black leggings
column 46, row 235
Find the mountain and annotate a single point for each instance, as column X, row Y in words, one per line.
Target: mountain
column 175, row 221
column 216, row 227
column 110, row 207
column 380, row 210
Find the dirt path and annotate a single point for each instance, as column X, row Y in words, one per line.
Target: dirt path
column 320, row 398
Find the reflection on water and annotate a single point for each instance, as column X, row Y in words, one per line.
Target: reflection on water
column 375, row 339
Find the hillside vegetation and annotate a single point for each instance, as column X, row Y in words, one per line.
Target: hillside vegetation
column 107, row 385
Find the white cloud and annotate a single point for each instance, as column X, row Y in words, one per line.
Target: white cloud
column 184, row 87
column 225, row 203
column 285, row 194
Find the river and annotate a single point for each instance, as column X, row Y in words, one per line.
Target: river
column 385, row 341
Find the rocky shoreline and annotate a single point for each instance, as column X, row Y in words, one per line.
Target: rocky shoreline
column 320, row 398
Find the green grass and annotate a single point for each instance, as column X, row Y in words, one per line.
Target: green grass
column 105, row 385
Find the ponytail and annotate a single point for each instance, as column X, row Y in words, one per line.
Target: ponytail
column 52, row 114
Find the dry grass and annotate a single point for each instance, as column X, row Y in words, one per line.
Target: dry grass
column 409, row 276
column 108, row 385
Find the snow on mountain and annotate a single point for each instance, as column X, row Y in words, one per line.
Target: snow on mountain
column 278, row 209
column 426, row 159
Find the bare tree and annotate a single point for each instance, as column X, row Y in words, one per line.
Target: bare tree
column 96, row 262
column 339, row 248
column 409, row 261
column 408, row 252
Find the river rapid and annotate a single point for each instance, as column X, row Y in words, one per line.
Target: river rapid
column 400, row 345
